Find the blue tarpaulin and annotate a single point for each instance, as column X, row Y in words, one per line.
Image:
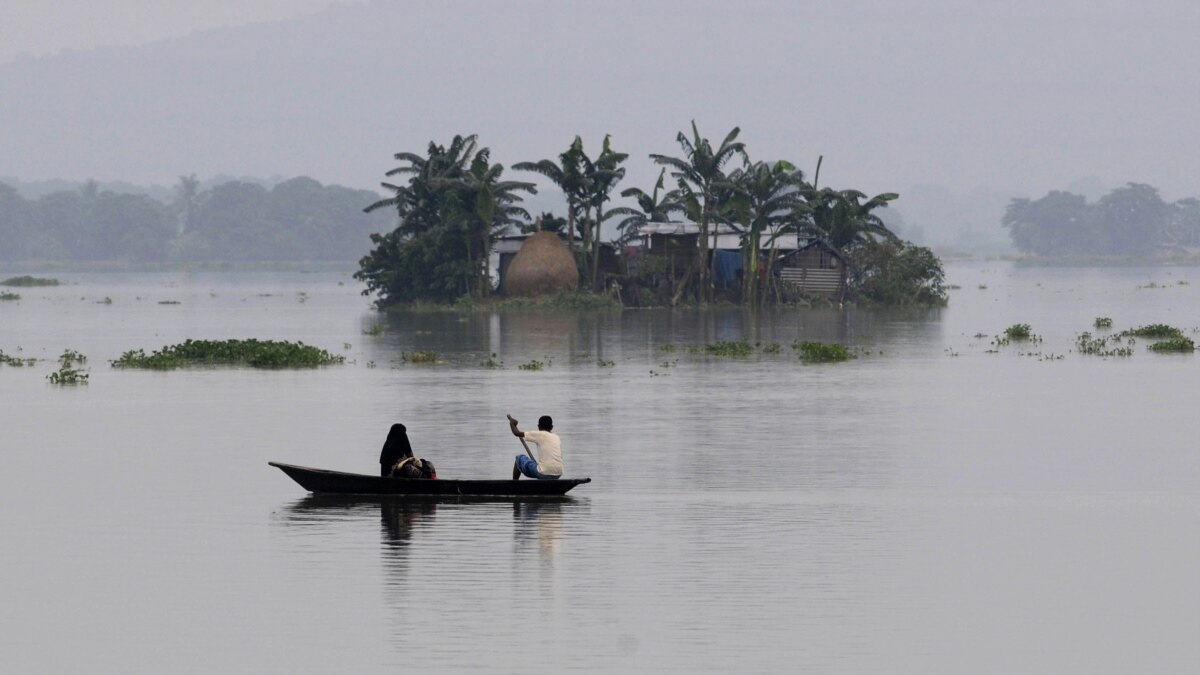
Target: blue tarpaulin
column 726, row 265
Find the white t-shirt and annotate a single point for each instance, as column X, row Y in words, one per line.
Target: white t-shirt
column 549, row 451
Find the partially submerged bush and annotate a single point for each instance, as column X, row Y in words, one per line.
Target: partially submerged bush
column 1174, row 344
column 1085, row 343
column 14, row 361
column 68, row 375
column 1018, row 331
column 1154, row 331
column 253, row 353
column 1103, row 322
column 10, row 296
column 822, row 352
column 29, row 281
column 731, row 348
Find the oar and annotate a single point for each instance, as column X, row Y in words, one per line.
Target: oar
column 522, row 439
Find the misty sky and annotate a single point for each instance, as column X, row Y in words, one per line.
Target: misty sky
column 41, row 27
column 1019, row 97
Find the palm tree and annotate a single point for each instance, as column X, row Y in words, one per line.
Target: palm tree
column 768, row 196
column 416, row 203
column 653, row 209
column 602, row 177
column 699, row 175
column 569, row 174
column 842, row 217
column 483, row 206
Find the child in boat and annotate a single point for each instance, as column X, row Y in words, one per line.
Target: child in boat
column 397, row 460
column 549, row 464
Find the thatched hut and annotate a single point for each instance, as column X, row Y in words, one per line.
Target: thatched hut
column 543, row 266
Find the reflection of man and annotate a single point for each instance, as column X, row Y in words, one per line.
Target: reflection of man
column 549, row 464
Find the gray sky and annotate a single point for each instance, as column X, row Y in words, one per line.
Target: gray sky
column 41, row 27
column 1007, row 99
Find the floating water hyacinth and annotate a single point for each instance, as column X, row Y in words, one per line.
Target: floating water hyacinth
column 253, row 353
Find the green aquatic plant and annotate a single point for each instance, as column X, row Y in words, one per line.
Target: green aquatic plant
column 730, row 348
column 29, row 281
column 169, row 302
column 376, row 329
column 68, row 375
column 1086, row 343
column 419, row 356
column 668, row 347
column 71, row 357
column 252, row 352
column 1018, row 331
column 603, row 363
column 772, row 348
column 533, row 365
column 15, row 361
column 106, row 301
column 822, row 352
column 1102, row 322
column 492, row 362
column 1153, row 331
column 10, row 296
column 1178, row 343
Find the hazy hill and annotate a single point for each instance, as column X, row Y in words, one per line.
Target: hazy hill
column 1010, row 99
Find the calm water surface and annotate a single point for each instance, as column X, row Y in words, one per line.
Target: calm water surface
column 927, row 507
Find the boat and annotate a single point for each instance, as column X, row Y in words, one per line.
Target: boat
column 323, row 481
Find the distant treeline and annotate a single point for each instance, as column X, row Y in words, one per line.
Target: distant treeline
column 298, row 219
column 1131, row 220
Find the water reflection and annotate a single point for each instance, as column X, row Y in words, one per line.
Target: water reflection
column 538, row 524
column 642, row 333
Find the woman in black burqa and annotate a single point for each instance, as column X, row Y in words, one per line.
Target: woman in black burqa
column 395, row 448
column 396, row 458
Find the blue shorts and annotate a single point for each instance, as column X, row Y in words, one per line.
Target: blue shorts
column 528, row 467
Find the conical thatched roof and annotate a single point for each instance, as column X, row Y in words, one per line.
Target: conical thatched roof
column 543, row 266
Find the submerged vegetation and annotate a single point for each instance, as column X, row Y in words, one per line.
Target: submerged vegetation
column 419, row 356
column 821, row 352
column 252, row 352
column 1154, row 331
column 29, row 281
column 6, row 295
column 1018, row 331
column 15, row 361
column 730, row 348
column 1177, row 343
column 1102, row 322
column 1086, row 343
column 67, row 373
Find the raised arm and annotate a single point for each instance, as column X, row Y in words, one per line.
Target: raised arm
column 512, row 425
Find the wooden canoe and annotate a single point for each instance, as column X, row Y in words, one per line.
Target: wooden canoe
column 322, row 481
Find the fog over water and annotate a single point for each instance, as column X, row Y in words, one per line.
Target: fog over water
column 926, row 507
column 940, row 503
column 939, row 101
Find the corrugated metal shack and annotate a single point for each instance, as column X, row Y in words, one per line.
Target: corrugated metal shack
column 815, row 269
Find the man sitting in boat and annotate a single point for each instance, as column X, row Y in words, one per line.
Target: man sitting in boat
column 549, row 464
column 397, row 460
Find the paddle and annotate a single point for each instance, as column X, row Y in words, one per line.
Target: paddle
column 513, row 423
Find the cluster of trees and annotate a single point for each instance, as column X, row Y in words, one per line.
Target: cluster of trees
column 298, row 219
column 455, row 203
column 1132, row 220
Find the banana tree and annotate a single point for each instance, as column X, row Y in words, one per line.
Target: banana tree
column 767, row 197
column 698, row 174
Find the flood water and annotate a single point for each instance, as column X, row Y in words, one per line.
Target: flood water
column 926, row 507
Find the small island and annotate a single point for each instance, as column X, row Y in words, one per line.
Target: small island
column 716, row 227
